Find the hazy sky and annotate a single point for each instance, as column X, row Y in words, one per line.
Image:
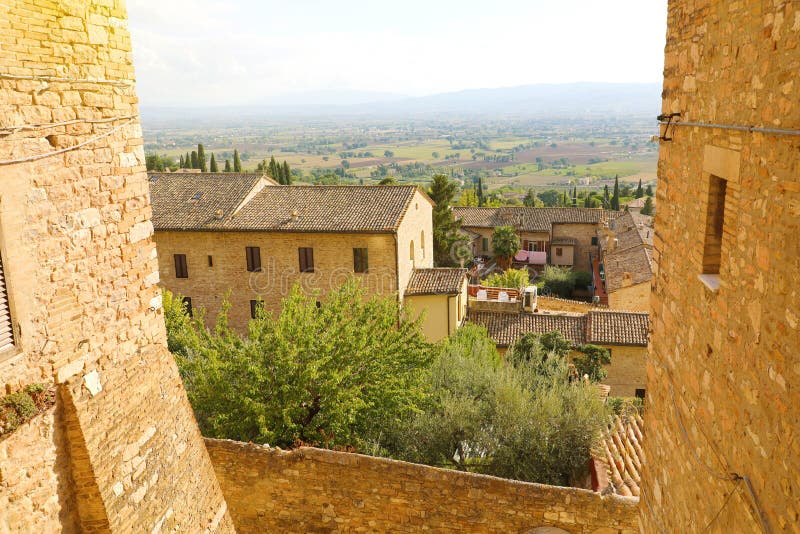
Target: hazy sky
column 196, row 52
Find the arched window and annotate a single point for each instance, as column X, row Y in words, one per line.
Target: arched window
column 422, row 242
column 411, row 250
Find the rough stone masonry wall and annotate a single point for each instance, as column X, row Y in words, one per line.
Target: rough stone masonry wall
column 731, row 356
column 81, row 271
column 316, row 490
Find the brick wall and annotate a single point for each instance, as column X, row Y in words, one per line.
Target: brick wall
column 315, row 490
column 729, row 355
column 79, row 260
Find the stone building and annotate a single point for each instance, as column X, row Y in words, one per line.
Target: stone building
column 120, row 451
column 241, row 237
column 568, row 236
column 624, row 266
column 723, row 440
column 624, row 334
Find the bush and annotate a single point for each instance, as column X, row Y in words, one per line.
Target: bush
column 511, row 278
column 562, row 281
column 583, row 279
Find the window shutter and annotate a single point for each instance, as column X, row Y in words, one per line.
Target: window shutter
column 6, row 326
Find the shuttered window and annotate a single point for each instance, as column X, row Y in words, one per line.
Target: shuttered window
column 181, row 271
column 253, row 259
column 306, row 259
column 6, row 326
column 360, row 260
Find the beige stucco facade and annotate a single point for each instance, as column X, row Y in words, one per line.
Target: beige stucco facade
column 443, row 313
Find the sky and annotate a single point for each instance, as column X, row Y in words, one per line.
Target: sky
column 265, row 52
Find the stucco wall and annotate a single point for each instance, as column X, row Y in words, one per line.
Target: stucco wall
column 333, row 264
column 315, row 490
column 583, row 234
column 416, row 228
column 81, row 271
column 436, row 324
column 729, row 356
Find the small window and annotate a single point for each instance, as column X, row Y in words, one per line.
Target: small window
column 411, row 250
column 640, row 394
column 715, row 221
column 306, row 259
column 533, row 246
column 594, row 240
column 6, row 324
column 255, row 307
column 253, row 259
column 210, row 260
column 559, row 251
column 187, row 303
column 360, row 260
column 422, row 242
column 181, row 271
column 485, row 244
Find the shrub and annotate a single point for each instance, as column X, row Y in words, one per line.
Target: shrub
column 511, row 278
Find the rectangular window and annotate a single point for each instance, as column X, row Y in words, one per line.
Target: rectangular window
column 640, row 394
column 306, row 259
column 715, row 220
column 255, row 307
column 253, row 259
column 533, row 246
column 6, row 325
column 210, row 261
column 594, row 240
column 181, row 271
column 360, row 260
column 559, row 251
column 486, row 244
column 187, row 302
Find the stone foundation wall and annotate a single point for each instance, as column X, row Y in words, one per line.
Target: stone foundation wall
column 315, row 490
column 727, row 355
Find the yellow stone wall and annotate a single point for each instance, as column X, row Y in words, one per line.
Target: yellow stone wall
column 583, row 234
column 415, row 229
column 728, row 355
column 634, row 297
column 333, row 264
column 627, row 371
column 316, row 490
column 81, row 271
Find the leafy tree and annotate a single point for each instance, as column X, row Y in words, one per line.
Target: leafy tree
column 647, row 209
column 549, row 197
column 615, row 198
column 468, row 198
column 505, row 243
column 639, row 191
column 237, row 163
column 327, row 179
column 201, row 158
column 389, row 180
column 227, row 165
column 388, row 154
column 435, row 155
column 649, row 190
column 590, row 362
column 512, row 278
column 213, row 165
column 530, row 199
column 337, row 375
column 154, row 162
column 558, row 280
column 446, row 236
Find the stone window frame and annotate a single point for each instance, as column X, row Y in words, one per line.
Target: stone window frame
column 181, row 265
column 360, row 259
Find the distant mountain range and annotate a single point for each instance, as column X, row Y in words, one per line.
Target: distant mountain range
column 586, row 99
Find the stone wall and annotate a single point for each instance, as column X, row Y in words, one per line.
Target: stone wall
column 315, row 490
column 566, row 305
column 728, row 347
column 626, row 373
column 634, row 297
column 81, row 272
column 583, row 234
column 208, row 285
column 416, row 228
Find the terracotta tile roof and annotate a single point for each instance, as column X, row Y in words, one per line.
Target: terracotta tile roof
column 619, row 457
column 193, row 200
column 439, row 281
column 628, row 267
column 506, row 328
column 597, row 327
column 530, row 219
column 618, row 328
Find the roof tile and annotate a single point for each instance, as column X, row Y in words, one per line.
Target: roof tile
column 438, row 281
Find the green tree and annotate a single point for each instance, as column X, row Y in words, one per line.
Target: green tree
column 388, row 154
column 606, row 197
column 590, row 361
column 227, row 165
column 201, row 158
column 530, row 199
column 389, row 180
column 237, row 163
column 446, row 236
column 505, row 243
column 511, row 278
column 647, row 209
column 180, row 165
column 649, row 190
column 639, row 191
column 615, row 198
column 195, row 162
column 339, row 374
column 479, row 191
column 287, row 173
column 213, row 164
column 187, row 161
column 558, row 281
column 549, row 197
column 468, row 198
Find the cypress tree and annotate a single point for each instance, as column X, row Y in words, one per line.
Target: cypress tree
column 649, row 190
column 187, row 162
column 213, row 164
column 615, row 198
column 180, row 165
column 237, row 163
column 639, row 190
column 195, row 164
column 201, row 158
column 606, row 197
column 287, row 174
column 273, row 171
column 479, row 191
column 227, row 165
